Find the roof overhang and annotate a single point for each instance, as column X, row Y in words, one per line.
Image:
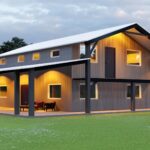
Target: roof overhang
column 44, row 66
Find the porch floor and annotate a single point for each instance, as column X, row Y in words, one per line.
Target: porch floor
column 40, row 113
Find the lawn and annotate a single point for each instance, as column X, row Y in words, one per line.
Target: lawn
column 128, row 131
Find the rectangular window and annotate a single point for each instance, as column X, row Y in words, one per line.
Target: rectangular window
column 93, row 54
column 138, row 91
column 54, row 91
column 134, row 57
column 21, row 58
column 94, row 91
column 36, row 56
column 3, row 91
column 55, row 53
column 2, row 61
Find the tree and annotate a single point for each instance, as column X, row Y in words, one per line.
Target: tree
column 13, row 44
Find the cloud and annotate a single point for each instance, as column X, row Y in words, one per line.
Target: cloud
column 36, row 20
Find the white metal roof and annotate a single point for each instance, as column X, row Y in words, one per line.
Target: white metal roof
column 42, row 65
column 66, row 40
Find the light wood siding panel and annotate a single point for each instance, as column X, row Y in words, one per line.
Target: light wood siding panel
column 9, row 101
column 121, row 42
column 60, row 76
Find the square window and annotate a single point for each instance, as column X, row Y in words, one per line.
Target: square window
column 94, row 91
column 138, row 91
column 134, row 57
column 3, row 91
column 36, row 56
column 21, row 58
column 2, row 61
column 55, row 91
column 55, row 53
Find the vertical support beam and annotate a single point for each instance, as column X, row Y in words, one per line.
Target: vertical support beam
column 16, row 93
column 87, row 80
column 31, row 92
column 132, row 96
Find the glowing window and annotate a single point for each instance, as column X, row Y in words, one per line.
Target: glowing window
column 138, row 91
column 134, row 57
column 2, row 61
column 55, row 91
column 3, row 91
column 36, row 56
column 21, row 58
column 94, row 91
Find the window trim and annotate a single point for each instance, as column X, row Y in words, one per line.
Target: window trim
column 34, row 58
column 48, row 93
column 19, row 60
column 7, row 91
column 140, row 91
column 5, row 61
column 96, row 92
column 51, row 53
column 96, row 47
column 96, row 60
column 140, row 52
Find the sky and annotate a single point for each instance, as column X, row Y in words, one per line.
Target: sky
column 41, row 20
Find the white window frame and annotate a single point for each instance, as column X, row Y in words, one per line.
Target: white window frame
column 19, row 60
column 34, row 58
column 53, row 98
column 7, row 90
column 140, row 52
column 51, row 53
column 140, row 91
column 5, row 61
column 96, row 92
column 96, row 48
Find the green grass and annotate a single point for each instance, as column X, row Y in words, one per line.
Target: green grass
column 128, row 131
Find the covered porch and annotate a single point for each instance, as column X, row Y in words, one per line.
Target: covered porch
column 28, row 75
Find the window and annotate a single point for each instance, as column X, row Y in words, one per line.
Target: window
column 2, row 61
column 93, row 54
column 21, row 58
column 54, row 53
column 138, row 91
column 36, row 56
column 54, row 91
column 134, row 57
column 3, row 91
column 94, row 91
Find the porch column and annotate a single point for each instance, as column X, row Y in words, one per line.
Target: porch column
column 132, row 96
column 31, row 92
column 87, row 80
column 16, row 93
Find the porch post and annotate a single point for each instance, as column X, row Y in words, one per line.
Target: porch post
column 31, row 92
column 16, row 93
column 87, row 80
column 132, row 96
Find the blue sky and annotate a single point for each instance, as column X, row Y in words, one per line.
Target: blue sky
column 40, row 20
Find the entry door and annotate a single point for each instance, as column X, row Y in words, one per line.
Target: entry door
column 110, row 62
column 24, row 94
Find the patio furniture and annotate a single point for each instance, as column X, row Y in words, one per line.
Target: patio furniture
column 39, row 105
column 22, row 107
column 50, row 105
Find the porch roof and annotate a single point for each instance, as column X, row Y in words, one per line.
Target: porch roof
column 45, row 65
column 86, row 37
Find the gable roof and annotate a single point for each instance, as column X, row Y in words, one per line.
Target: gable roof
column 80, row 38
